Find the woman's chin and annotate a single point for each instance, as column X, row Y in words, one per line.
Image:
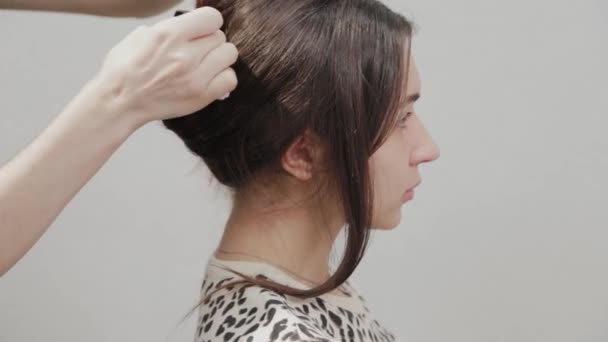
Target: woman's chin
column 389, row 222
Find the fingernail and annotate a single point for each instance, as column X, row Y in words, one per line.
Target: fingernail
column 225, row 96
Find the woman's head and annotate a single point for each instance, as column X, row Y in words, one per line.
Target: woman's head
column 322, row 88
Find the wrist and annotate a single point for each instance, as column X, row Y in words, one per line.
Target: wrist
column 100, row 116
column 110, row 108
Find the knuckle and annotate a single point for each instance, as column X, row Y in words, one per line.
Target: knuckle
column 224, row 50
column 221, row 36
column 183, row 61
column 214, row 15
column 182, row 66
column 163, row 34
column 231, row 78
column 232, row 52
column 231, row 48
column 193, row 86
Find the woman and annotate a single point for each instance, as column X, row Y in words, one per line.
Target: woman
column 319, row 137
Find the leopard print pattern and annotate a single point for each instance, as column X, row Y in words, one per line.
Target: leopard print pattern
column 248, row 313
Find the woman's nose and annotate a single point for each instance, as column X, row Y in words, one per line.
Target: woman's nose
column 425, row 153
column 427, row 150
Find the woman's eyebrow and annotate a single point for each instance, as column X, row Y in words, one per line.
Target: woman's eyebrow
column 409, row 99
column 412, row 98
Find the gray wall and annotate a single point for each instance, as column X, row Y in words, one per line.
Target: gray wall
column 506, row 240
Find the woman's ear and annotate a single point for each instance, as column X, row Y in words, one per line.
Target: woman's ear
column 302, row 156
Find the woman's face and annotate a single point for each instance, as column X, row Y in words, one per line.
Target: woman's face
column 394, row 166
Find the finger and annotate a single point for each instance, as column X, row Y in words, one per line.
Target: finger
column 222, row 84
column 200, row 48
column 197, row 23
column 217, row 60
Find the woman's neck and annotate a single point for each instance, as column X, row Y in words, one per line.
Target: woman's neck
column 291, row 236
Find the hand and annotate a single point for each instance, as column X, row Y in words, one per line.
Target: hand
column 173, row 68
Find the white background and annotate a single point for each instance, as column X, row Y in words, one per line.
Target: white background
column 505, row 241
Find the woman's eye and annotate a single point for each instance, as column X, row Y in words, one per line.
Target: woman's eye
column 403, row 119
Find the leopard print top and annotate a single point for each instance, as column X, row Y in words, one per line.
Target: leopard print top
column 255, row 314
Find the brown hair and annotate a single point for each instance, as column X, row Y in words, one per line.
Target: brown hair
column 336, row 67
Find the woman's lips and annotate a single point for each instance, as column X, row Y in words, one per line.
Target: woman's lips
column 409, row 194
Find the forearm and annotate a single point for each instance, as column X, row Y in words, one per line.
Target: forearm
column 113, row 8
column 38, row 183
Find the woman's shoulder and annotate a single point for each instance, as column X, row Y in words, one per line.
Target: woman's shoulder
column 233, row 310
column 251, row 314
